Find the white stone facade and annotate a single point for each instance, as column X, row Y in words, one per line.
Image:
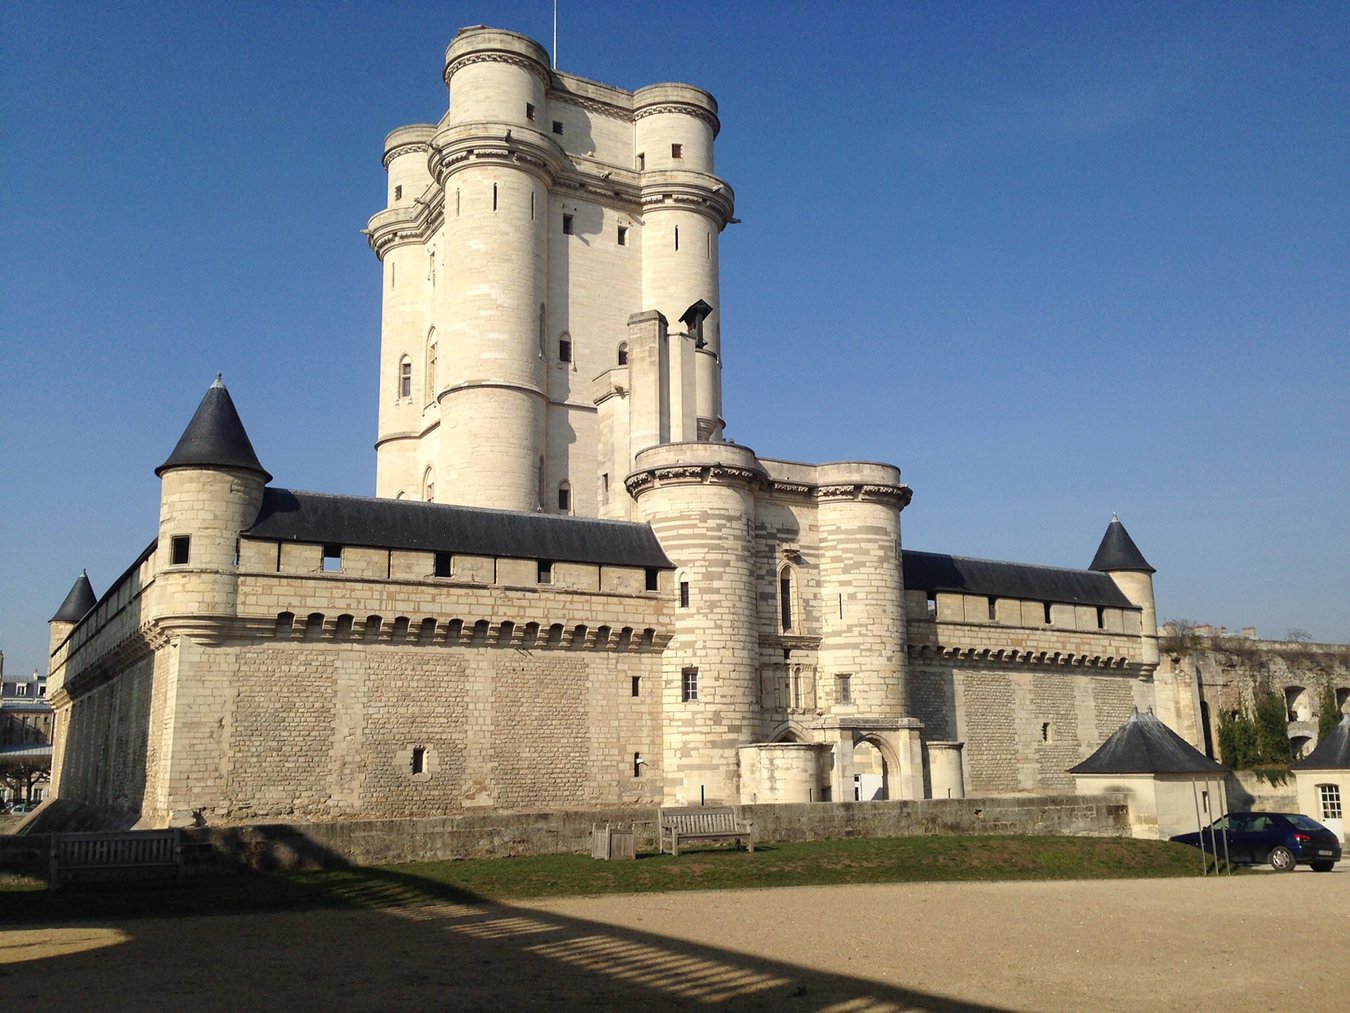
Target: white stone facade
column 551, row 345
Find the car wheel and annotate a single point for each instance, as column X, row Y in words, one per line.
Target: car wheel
column 1281, row 859
column 1323, row 866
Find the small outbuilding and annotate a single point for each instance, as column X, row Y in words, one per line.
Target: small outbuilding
column 1323, row 779
column 1171, row 786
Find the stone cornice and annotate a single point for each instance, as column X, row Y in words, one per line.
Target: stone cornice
column 412, row 224
column 693, row 474
column 929, row 654
column 407, row 148
column 681, row 109
column 469, row 59
column 900, row 494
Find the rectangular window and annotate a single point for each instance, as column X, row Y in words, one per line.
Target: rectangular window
column 1101, row 618
column 180, row 549
column 445, row 564
column 567, row 225
column 1047, row 613
column 623, row 235
column 843, row 689
column 653, row 578
column 557, row 126
column 641, row 162
column 677, row 151
column 993, row 610
column 529, row 111
column 931, row 604
column 677, row 237
column 545, row 575
column 332, row 558
column 785, row 600
column 419, row 760
column 637, row 685
column 684, row 594
column 564, row 350
column 1330, row 797
column 689, row 684
column 564, row 499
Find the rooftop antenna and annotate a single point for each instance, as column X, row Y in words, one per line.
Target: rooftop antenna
column 555, row 34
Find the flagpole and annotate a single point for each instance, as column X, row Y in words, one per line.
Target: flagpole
column 555, row 34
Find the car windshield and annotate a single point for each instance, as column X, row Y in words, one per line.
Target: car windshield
column 1302, row 822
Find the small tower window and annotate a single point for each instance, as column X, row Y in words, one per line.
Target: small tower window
column 623, row 235
column 677, row 237
column 445, row 564
column 419, row 760
column 785, row 597
column 641, row 161
column 1101, row 618
column 398, row 192
column 684, row 594
column 545, row 572
column 653, row 578
column 623, row 353
column 677, row 151
column 494, row 196
column 564, row 497
column 689, row 684
column 931, row 605
column 567, row 225
column 180, row 549
column 843, row 687
column 1047, row 613
column 565, row 349
column 637, row 764
column 529, row 111
column 405, row 377
column 557, row 126
column 637, row 685
column 332, row 558
column 993, row 610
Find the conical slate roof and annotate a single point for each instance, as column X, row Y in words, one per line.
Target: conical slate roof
column 78, row 602
column 1144, row 745
column 1332, row 753
column 215, row 437
column 1118, row 551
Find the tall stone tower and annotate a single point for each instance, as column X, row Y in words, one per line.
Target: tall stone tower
column 550, row 265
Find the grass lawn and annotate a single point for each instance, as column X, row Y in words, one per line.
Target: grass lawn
column 870, row 860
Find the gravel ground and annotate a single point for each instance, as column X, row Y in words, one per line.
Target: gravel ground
column 1258, row 942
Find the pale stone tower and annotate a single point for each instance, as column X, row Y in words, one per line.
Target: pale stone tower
column 75, row 607
column 530, row 237
column 210, row 489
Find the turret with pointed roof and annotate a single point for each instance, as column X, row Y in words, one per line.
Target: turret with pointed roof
column 1118, row 557
column 78, row 601
column 211, row 487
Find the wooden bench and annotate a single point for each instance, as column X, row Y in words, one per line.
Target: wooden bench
column 116, row 855
column 701, row 823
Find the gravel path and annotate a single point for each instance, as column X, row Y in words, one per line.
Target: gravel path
column 1259, row 942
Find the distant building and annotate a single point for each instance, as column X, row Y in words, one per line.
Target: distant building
column 25, row 730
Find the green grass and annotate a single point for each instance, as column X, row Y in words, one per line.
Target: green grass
column 870, row 860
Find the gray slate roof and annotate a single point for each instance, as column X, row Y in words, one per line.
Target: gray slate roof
column 79, row 600
column 315, row 517
column 1332, row 753
column 215, row 436
column 1144, row 745
column 935, row 571
column 1118, row 551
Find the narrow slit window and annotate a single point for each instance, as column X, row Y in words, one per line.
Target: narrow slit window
column 567, row 225
column 641, row 161
column 843, row 686
column 405, row 377
column 532, row 205
column 993, row 610
column 419, row 760
column 564, row 498
column 181, row 549
column 1101, row 618
column 332, row 558
column 494, row 196
column 677, row 237
column 623, row 235
column 1047, row 613
column 398, row 192
column 637, row 764
column 623, row 353
column 529, row 111
column 564, row 349
column 684, row 594
column 637, row 685
column 785, row 598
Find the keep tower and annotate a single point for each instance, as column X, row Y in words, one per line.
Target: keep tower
column 531, row 237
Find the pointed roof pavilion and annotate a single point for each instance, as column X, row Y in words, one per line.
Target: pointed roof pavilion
column 79, row 601
column 1144, row 745
column 215, row 437
column 1332, row 753
column 1118, row 551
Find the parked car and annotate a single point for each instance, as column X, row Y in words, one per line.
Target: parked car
column 1282, row 839
column 22, row 808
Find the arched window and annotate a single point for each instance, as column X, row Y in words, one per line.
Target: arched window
column 785, row 590
column 565, row 347
column 565, row 497
column 623, row 353
column 405, row 377
column 429, row 486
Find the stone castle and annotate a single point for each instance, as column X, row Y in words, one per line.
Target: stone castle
column 570, row 589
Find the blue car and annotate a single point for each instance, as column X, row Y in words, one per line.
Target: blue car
column 1285, row 840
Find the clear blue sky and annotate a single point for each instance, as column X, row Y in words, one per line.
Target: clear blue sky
column 1053, row 260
